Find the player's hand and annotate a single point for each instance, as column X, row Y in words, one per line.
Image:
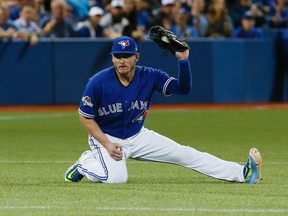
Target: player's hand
column 115, row 151
column 182, row 55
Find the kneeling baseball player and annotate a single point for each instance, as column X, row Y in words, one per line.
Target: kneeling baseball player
column 113, row 110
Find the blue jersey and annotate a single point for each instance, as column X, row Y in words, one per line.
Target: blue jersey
column 118, row 110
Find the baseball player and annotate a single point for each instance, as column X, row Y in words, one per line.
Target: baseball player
column 113, row 109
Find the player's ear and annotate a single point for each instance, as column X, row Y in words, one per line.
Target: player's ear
column 137, row 56
column 112, row 58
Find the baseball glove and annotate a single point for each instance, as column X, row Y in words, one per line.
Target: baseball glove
column 167, row 40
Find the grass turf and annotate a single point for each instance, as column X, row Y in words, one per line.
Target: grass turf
column 37, row 148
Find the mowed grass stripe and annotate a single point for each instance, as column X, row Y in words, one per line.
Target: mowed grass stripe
column 27, row 116
column 157, row 209
column 194, row 210
column 24, row 207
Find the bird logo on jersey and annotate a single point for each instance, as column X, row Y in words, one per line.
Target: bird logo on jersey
column 124, row 43
column 140, row 117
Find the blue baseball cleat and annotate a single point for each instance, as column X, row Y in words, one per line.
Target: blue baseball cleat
column 72, row 174
column 252, row 169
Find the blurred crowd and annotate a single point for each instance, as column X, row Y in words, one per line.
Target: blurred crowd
column 32, row 19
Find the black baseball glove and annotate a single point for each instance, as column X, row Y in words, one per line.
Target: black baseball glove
column 167, row 40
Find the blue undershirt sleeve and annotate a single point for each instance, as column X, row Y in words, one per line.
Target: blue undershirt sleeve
column 183, row 84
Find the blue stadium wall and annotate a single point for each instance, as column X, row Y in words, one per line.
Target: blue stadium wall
column 224, row 71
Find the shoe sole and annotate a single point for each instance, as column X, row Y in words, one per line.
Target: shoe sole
column 255, row 154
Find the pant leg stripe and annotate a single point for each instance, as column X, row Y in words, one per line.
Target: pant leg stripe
column 100, row 178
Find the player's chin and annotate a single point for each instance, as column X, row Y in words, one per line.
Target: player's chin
column 122, row 70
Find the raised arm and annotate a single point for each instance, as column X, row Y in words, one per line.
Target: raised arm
column 183, row 84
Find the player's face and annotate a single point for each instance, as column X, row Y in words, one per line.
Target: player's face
column 124, row 64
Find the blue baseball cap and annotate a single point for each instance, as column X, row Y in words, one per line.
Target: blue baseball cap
column 124, row 44
column 248, row 15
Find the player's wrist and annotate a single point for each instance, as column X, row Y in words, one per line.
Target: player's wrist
column 183, row 60
column 106, row 143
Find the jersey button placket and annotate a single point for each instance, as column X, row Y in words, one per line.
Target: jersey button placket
column 125, row 113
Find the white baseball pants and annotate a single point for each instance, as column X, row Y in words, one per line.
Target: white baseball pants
column 98, row 166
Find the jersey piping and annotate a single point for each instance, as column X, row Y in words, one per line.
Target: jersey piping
column 165, row 86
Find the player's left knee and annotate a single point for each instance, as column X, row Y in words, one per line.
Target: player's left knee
column 118, row 179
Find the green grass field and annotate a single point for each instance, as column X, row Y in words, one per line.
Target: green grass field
column 36, row 148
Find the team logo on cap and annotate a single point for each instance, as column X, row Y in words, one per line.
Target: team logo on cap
column 124, row 43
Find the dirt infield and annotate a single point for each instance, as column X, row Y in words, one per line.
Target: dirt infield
column 256, row 106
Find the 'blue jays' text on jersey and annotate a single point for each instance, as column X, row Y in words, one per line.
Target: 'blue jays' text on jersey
column 118, row 110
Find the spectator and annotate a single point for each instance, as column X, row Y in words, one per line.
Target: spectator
column 181, row 28
column 259, row 15
column 68, row 14
column 144, row 15
column 80, row 9
column 279, row 15
column 247, row 28
column 115, row 24
column 198, row 18
column 130, row 12
column 154, row 6
column 26, row 25
column 56, row 24
column 238, row 10
column 219, row 21
column 16, row 6
column 104, row 4
column 186, row 4
column 165, row 17
column 91, row 27
column 7, row 27
column 42, row 8
column 263, row 5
